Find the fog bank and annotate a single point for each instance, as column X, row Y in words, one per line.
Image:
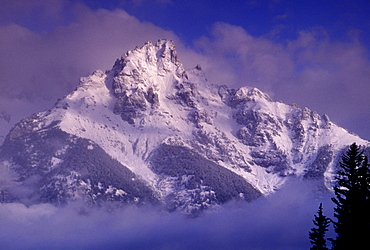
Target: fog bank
column 279, row 221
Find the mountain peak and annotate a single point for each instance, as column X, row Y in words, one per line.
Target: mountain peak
column 180, row 139
column 144, row 75
column 158, row 59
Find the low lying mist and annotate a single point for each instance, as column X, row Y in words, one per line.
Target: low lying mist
column 278, row 221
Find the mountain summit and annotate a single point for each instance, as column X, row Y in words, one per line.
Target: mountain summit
column 148, row 131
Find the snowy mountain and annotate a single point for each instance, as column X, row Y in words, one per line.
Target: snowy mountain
column 149, row 131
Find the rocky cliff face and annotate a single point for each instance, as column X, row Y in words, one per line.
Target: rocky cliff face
column 148, row 131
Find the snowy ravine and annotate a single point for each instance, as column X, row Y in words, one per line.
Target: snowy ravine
column 149, row 131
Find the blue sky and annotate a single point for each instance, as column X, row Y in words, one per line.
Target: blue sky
column 312, row 53
column 192, row 19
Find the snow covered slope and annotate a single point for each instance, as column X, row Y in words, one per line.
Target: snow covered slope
column 191, row 143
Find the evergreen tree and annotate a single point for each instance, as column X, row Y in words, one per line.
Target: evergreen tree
column 317, row 234
column 352, row 199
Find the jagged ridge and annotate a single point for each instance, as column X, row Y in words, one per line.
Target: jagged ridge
column 147, row 103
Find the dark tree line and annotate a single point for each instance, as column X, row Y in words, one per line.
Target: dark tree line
column 352, row 205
